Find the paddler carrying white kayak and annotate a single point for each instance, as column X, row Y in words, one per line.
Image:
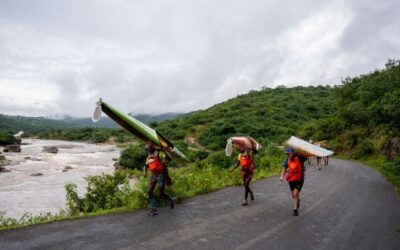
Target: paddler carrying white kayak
column 293, row 168
column 247, row 147
column 297, row 151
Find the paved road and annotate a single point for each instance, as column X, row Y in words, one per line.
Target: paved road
column 344, row 206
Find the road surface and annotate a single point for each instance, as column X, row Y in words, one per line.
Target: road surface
column 343, row 206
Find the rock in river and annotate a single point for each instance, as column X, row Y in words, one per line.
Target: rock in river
column 52, row 150
column 37, row 174
column 67, row 168
column 3, row 170
column 12, row 148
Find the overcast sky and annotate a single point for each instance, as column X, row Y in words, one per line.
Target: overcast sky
column 59, row 57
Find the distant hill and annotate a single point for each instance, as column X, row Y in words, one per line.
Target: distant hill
column 147, row 118
column 106, row 122
column 13, row 124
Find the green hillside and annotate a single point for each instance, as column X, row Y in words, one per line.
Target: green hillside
column 368, row 113
column 270, row 115
column 148, row 118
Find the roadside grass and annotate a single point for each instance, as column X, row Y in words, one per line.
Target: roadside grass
column 389, row 169
column 109, row 194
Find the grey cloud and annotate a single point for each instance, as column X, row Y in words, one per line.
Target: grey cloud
column 160, row 56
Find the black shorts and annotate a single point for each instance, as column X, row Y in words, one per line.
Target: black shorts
column 296, row 185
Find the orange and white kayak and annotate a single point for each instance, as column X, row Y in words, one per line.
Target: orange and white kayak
column 242, row 143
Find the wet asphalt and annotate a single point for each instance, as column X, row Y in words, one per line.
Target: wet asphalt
column 343, row 206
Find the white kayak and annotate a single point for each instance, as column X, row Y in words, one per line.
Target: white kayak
column 307, row 149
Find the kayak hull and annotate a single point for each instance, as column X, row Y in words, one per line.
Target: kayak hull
column 307, row 149
column 148, row 135
column 241, row 143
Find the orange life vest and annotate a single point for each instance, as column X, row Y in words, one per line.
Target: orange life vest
column 246, row 163
column 155, row 165
column 295, row 170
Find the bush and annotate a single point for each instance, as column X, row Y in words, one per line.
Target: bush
column 272, row 150
column 220, row 160
column 270, row 158
column 103, row 192
column 201, row 154
column 364, row 148
column 6, row 139
column 133, row 157
column 99, row 137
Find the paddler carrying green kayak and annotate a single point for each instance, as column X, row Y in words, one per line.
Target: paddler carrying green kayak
column 158, row 148
column 156, row 163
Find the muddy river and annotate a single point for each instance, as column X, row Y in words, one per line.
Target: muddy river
column 36, row 179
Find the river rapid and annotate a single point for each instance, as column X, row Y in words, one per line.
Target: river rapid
column 21, row 191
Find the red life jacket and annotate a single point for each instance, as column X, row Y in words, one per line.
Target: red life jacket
column 295, row 170
column 155, row 165
column 246, row 163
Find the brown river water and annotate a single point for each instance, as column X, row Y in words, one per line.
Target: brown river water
column 20, row 192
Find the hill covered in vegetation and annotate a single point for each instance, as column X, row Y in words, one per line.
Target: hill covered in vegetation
column 270, row 115
column 367, row 116
column 13, row 124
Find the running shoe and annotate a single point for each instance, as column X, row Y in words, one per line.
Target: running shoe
column 153, row 212
column 295, row 212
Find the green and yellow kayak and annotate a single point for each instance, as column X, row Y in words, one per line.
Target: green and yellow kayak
column 148, row 135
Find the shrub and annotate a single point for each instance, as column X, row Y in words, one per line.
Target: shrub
column 220, row 160
column 6, row 139
column 364, row 148
column 270, row 158
column 201, row 154
column 99, row 137
column 103, row 192
column 133, row 157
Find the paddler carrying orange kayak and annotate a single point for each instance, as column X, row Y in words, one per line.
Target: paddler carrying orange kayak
column 247, row 147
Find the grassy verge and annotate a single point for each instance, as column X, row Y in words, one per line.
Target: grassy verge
column 389, row 169
column 109, row 194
